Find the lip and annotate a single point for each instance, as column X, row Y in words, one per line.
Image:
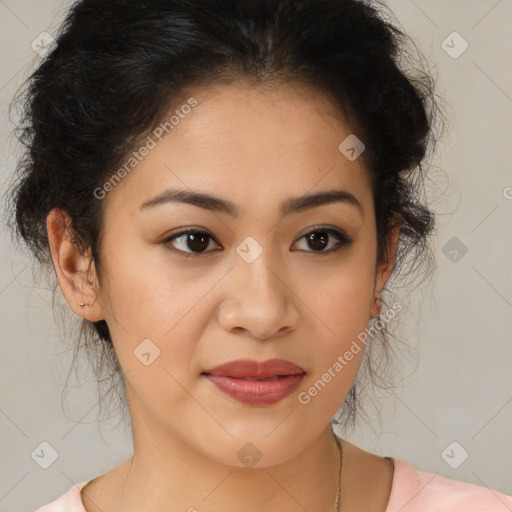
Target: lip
column 239, row 379
column 249, row 368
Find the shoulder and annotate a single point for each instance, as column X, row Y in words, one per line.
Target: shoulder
column 68, row 502
column 414, row 490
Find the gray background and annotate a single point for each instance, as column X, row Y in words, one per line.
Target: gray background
column 459, row 385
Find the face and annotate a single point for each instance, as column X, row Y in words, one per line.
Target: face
column 259, row 281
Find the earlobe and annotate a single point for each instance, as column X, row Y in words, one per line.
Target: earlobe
column 72, row 267
column 385, row 268
column 376, row 307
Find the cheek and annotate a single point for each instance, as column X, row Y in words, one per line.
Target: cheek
column 338, row 346
column 339, row 294
column 156, row 325
column 148, row 294
column 153, row 313
column 339, row 306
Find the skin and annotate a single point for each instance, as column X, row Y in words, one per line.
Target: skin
column 293, row 302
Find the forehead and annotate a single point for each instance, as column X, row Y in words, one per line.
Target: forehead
column 251, row 145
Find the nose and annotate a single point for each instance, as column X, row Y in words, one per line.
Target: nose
column 259, row 300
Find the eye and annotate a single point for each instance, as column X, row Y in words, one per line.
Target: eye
column 320, row 238
column 195, row 240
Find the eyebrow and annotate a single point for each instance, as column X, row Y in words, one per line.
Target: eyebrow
column 217, row 204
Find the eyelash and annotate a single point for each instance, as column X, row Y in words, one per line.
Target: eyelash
column 342, row 238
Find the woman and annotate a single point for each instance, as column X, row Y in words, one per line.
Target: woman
column 224, row 190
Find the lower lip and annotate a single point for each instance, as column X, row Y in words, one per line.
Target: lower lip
column 257, row 392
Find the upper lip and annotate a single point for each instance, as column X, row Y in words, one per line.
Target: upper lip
column 249, row 368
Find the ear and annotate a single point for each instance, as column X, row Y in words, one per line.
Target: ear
column 385, row 267
column 75, row 271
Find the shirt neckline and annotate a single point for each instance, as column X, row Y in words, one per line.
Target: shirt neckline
column 403, row 486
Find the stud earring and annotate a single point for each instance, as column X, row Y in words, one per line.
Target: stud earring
column 83, row 304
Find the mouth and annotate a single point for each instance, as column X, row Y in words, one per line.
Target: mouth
column 256, row 378
column 255, row 370
column 254, row 383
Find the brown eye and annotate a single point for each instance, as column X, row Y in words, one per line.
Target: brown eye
column 320, row 238
column 195, row 242
column 191, row 241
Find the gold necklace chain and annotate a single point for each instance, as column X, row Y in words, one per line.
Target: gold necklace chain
column 337, row 503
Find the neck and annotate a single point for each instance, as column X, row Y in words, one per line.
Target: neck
column 166, row 473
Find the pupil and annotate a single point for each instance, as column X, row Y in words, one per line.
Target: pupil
column 198, row 241
column 318, row 240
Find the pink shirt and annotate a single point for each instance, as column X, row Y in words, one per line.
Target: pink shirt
column 412, row 491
